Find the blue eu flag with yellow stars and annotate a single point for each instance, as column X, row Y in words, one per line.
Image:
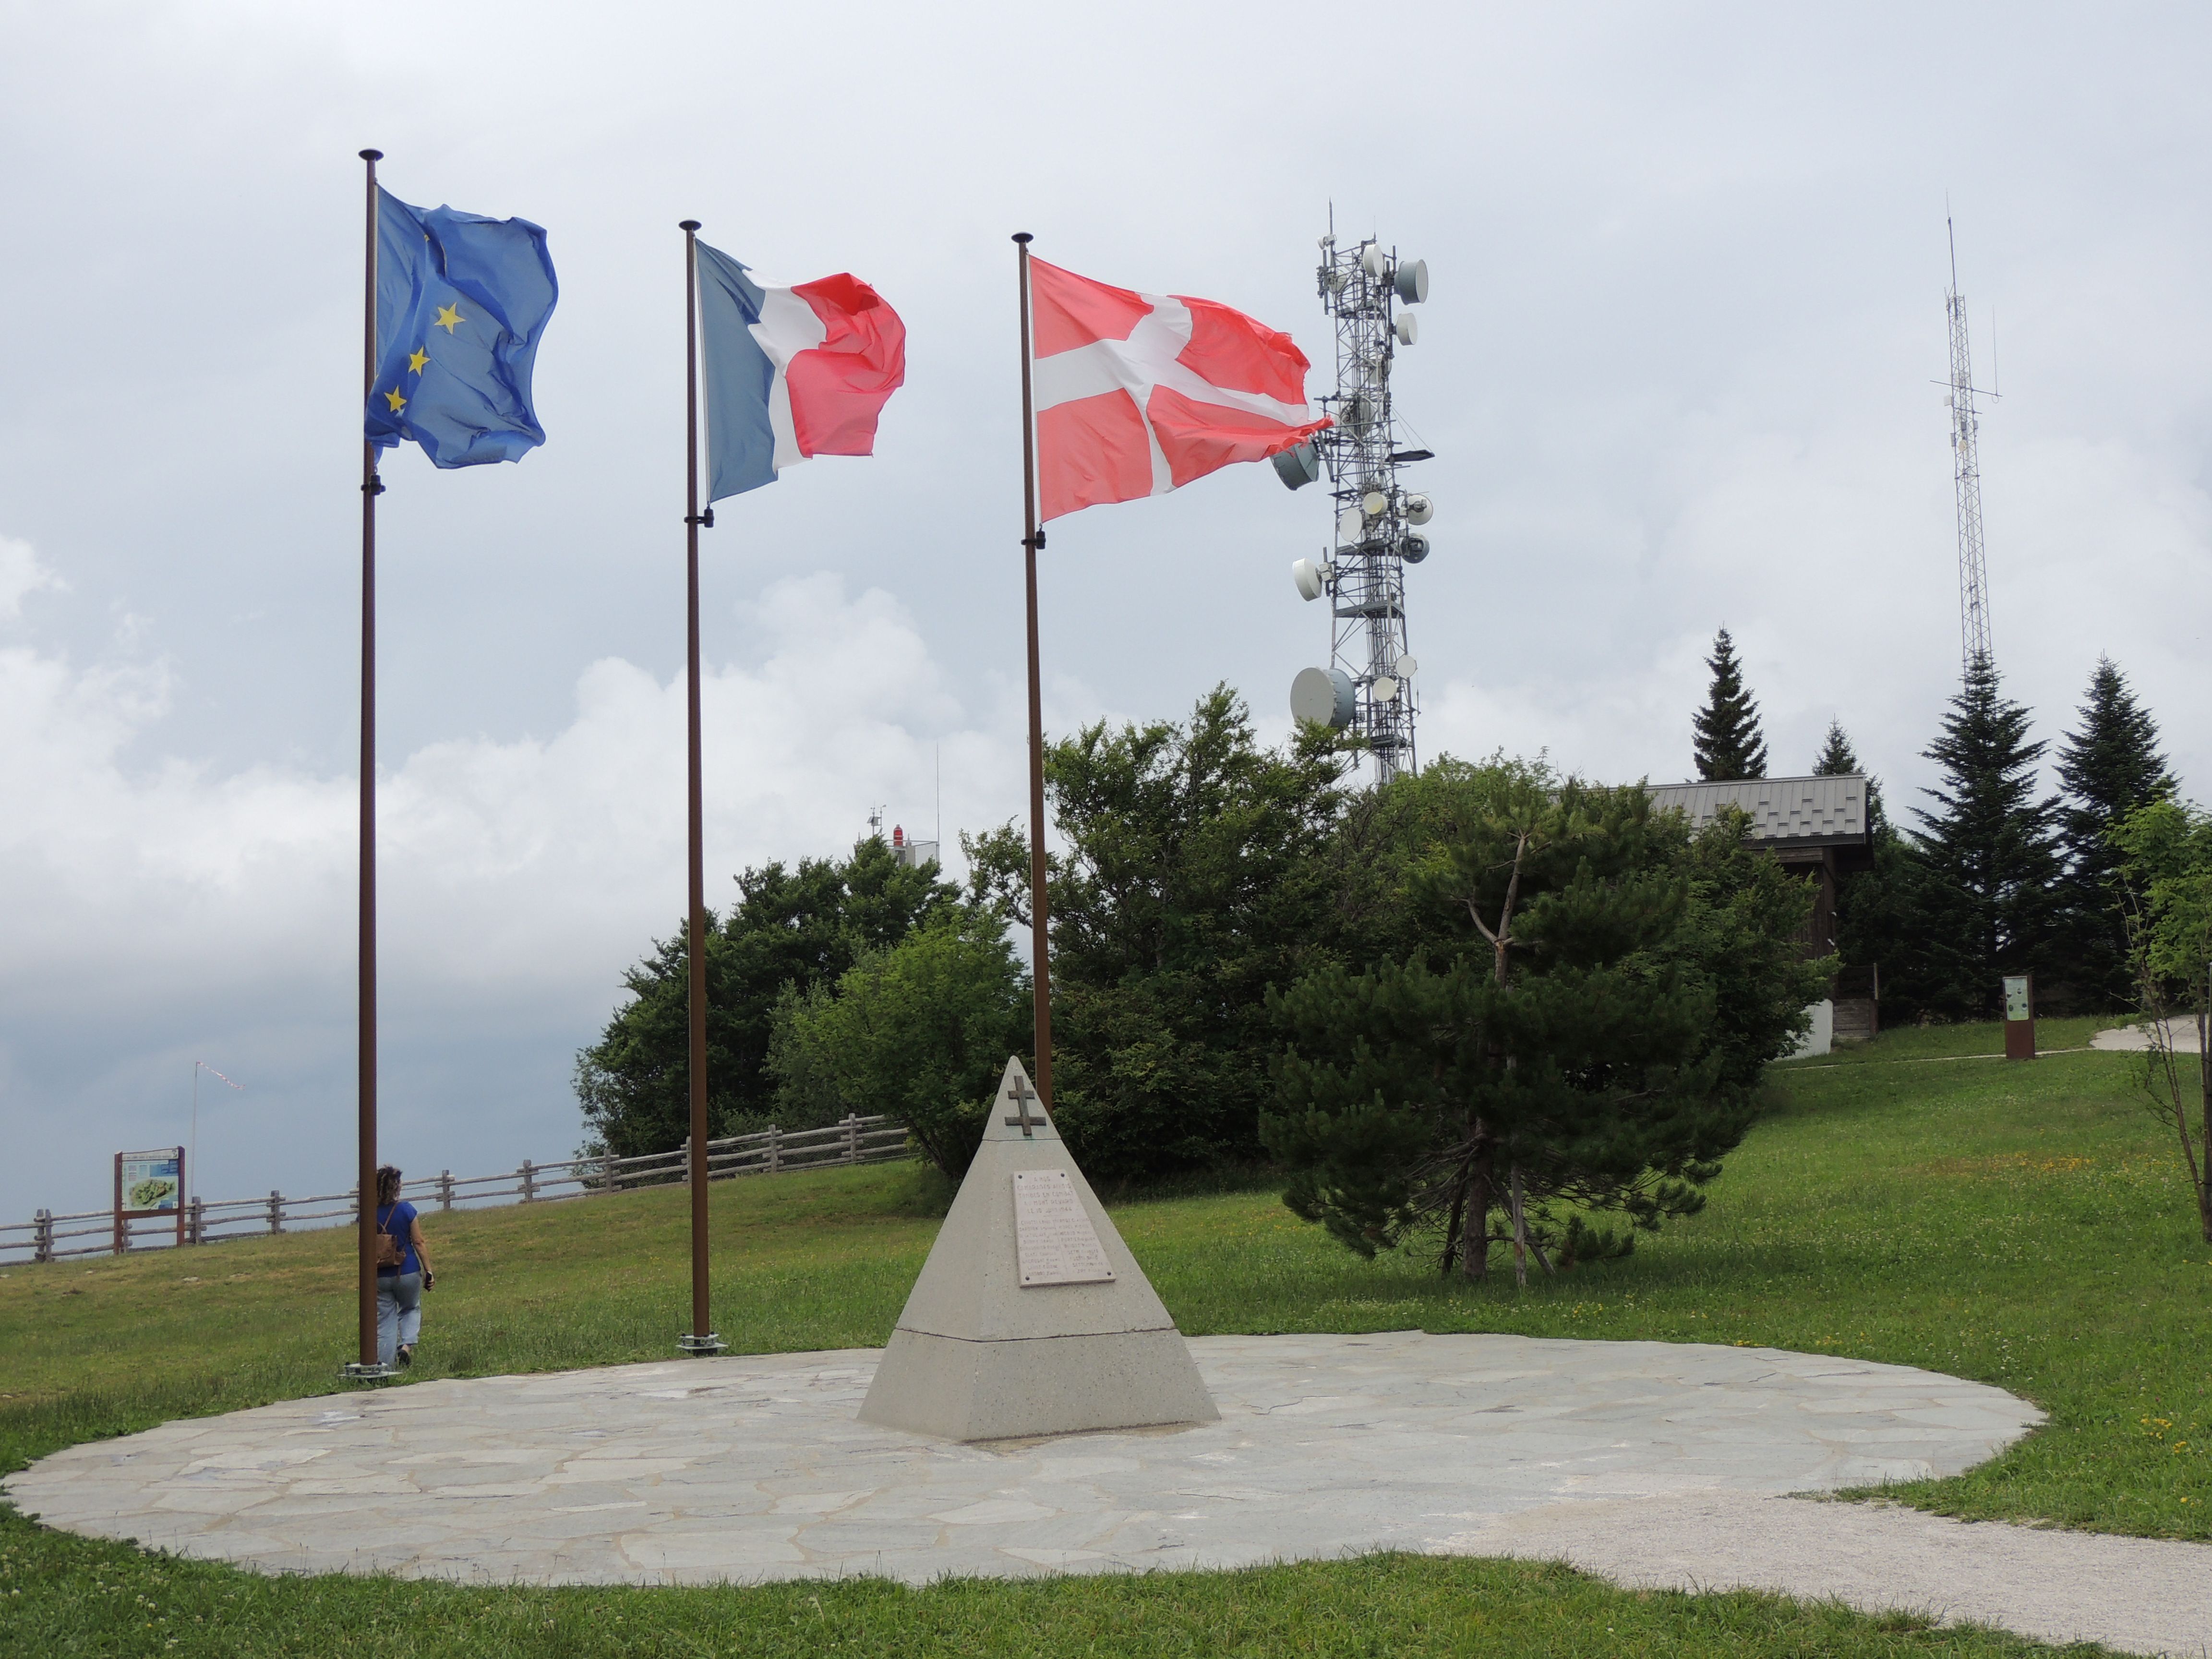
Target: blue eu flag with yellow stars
column 461, row 301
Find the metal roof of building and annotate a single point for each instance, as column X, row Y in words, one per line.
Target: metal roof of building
column 1824, row 811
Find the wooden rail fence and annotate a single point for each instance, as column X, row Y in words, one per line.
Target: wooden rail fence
column 49, row 1236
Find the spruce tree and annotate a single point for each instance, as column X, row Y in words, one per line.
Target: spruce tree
column 2109, row 766
column 1987, row 903
column 1727, row 742
column 1838, row 759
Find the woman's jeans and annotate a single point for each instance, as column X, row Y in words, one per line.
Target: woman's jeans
column 399, row 1312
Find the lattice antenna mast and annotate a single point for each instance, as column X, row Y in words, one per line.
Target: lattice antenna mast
column 1965, row 456
column 1371, row 667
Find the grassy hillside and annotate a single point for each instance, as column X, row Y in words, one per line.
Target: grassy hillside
column 2020, row 1225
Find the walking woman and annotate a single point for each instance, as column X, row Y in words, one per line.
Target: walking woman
column 403, row 1273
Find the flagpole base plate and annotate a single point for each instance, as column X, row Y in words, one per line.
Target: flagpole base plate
column 702, row 1346
column 357, row 1372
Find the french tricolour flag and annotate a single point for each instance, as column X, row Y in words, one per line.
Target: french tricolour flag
column 790, row 372
column 1137, row 394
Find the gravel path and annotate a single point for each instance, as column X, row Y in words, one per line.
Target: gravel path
column 1650, row 1463
column 2180, row 1037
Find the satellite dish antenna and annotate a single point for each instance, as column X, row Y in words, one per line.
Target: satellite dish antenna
column 1350, row 526
column 1323, row 697
column 1409, row 329
column 1411, row 282
column 1373, row 261
column 1307, row 575
column 1407, row 667
column 1420, row 509
column 1385, row 690
column 1413, row 547
column 1297, row 466
column 1373, row 502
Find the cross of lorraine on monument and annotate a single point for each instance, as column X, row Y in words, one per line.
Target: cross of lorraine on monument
column 1023, row 1095
column 1030, row 1316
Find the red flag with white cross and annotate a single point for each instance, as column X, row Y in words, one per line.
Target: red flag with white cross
column 1138, row 394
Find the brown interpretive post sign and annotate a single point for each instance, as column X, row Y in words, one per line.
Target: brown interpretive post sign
column 1055, row 1241
column 2020, row 1015
column 148, row 1184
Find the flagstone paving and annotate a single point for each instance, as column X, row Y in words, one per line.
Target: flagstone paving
column 1650, row 1462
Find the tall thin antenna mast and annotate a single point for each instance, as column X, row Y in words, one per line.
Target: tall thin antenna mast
column 1965, row 456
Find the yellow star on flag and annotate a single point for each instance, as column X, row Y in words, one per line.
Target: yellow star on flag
column 418, row 359
column 447, row 316
column 397, row 402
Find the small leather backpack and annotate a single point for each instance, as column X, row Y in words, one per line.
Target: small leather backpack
column 390, row 1252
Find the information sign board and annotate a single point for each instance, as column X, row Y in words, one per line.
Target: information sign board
column 153, row 1182
column 2020, row 1015
column 148, row 1184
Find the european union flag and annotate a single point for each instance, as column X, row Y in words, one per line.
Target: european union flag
column 461, row 301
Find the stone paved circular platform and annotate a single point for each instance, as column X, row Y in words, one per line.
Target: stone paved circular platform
column 1649, row 1463
column 752, row 1467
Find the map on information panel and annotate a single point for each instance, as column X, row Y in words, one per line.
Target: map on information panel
column 1053, row 1241
column 150, row 1181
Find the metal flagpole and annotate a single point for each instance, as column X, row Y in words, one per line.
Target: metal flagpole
column 702, row 1340
column 371, row 487
column 1033, row 539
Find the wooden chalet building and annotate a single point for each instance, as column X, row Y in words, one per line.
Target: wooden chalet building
column 1816, row 826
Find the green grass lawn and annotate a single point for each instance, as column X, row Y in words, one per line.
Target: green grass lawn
column 2021, row 1224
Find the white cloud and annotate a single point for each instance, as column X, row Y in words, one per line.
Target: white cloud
column 21, row 576
column 171, row 905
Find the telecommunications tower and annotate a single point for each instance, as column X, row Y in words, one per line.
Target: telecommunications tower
column 1369, row 684
column 1965, row 460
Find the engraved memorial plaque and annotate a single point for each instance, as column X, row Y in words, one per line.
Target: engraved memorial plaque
column 1055, row 1242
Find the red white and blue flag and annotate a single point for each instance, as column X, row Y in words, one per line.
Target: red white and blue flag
column 790, row 372
column 1137, row 394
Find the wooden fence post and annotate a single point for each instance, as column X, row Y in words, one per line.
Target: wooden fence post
column 852, row 1136
column 275, row 1211
column 529, row 1182
column 42, row 1237
column 444, row 1189
column 197, row 1233
column 775, row 1149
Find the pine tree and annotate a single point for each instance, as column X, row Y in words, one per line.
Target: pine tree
column 1585, row 1035
column 2109, row 766
column 1987, row 903
column 1727, row 742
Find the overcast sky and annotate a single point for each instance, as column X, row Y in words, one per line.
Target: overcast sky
column 1687, row 270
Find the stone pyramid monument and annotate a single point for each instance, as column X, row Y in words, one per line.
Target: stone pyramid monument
column 1030, row 1316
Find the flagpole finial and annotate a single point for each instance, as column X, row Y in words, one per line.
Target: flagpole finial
column 372, row 156
column 687, row 224
column 1024, row 238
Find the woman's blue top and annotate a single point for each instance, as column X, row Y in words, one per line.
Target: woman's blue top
column 398, row 1220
